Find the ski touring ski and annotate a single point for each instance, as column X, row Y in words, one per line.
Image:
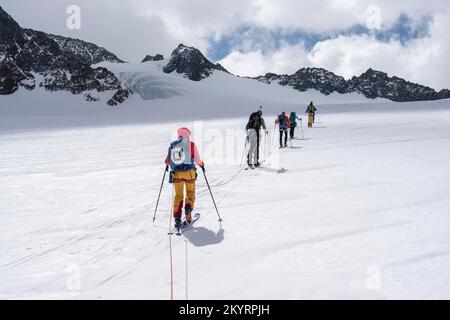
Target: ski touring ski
column 186, row 226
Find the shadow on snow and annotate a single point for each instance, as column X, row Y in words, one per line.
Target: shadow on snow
column 202, row 237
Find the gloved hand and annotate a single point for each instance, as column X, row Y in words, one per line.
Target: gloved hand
column 167, row 168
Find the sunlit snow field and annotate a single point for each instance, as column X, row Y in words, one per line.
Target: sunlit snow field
column 359, row 209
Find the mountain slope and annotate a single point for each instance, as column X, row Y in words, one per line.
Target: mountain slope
column 31, row 58
column 85, row 52
column 309, row 78
column 192, row 63
column 375, row 84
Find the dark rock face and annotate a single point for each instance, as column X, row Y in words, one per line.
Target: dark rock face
column 444, row 94
column 309, row 78
column 192, row 63
column 372, row 84
column 31, row 58
column 83, row 51
column 120, row 96
column 158, row 57
column 90, row 98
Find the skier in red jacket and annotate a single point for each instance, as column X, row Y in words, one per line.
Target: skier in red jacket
column 283, row 124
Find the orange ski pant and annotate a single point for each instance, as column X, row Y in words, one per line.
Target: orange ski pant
column 184, row 180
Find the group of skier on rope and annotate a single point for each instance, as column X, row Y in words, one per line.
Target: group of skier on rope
column 183, row 158
column 285, row 125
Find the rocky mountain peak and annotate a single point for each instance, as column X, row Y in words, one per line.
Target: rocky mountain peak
column 192, row 63
column 377, row 84
column 158, row 57
column 374, row 74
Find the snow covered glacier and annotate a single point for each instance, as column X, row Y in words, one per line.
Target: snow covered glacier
column 360, row 209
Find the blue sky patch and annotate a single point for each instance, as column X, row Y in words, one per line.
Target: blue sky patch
column 250, row 38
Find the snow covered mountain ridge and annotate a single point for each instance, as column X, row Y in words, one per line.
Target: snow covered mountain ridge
column 85, row 52
column 31, row 58
column 372, row 84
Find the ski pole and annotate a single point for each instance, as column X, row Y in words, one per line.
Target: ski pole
column 303, row 135
column 160, row 189
column 319, row 120
column 243, row 153
column 266, row 143
column 212, row 197
column 273, row 135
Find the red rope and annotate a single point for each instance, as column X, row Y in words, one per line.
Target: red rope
column 170, row 245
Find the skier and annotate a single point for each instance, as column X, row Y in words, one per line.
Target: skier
column 255, row 124
column 293, row 124
column 311, row 111
column 182, row 158
column 283, row 124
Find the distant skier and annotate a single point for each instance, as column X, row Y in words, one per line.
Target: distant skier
column 255, row 124
column 182, row 158
column 293, row 124
column 311, row 111
column 283, row 125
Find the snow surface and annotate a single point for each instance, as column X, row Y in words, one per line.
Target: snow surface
column 360, row 210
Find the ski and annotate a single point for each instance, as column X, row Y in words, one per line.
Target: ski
column 186, row 226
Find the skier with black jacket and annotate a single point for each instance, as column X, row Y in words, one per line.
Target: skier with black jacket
column 255, row 124
column 311, row 110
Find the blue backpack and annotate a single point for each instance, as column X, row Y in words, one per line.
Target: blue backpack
column 180, row 155
column 282, row 121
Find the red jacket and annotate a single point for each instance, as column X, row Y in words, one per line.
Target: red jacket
column 288, row 122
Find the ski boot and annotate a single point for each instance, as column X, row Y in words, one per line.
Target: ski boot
column 188, row 217
column 177, row 223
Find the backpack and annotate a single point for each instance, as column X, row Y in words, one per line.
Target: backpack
column 282, row 121
column 311, row 108
column 180, row 155
column 254, row 122
column 293, row 120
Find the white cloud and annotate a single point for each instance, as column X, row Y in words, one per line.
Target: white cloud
column 331, row 15
column 255, row 63
column 421, row 60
